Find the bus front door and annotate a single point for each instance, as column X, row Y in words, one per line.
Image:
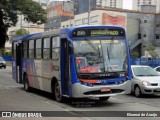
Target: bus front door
column 65, row 67
column 19, row 63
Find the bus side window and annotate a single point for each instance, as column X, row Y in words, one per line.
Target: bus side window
column 25, row 49
column 55, row 48
column 38, row 49
column 31, row 48
column 14, row 49
column 46, row 48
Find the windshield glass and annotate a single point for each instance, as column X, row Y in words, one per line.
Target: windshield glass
column 94, row 56
column 144, row 71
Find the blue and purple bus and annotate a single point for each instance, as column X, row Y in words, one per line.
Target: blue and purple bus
column 76, row 62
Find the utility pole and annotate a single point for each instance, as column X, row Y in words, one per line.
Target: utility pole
column 89, row 12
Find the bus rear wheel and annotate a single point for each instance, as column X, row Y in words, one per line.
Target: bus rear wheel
column 26, row 84
column 57, row 92
column 104, row 98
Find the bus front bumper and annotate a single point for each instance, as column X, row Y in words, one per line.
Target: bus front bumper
column 82, row 91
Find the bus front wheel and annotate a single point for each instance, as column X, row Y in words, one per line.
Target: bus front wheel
column 57, row 92
column 26, row 84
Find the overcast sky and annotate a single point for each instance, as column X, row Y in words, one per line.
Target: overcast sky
column 127, row 4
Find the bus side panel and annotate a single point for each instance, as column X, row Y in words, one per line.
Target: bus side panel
column 46, row 80
column 28, row 67
column 38, row 74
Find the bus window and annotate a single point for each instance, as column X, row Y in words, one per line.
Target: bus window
column 31, row 48
column 55, row 47
column 14, row 50
column 25, row 47
column 38, row 48
column 46, row 46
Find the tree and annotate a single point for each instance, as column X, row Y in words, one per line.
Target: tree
column 21, row 32
column 151, row 49
column 9, row 11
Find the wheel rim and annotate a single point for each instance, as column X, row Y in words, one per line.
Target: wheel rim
column 137, row 91
column 57, row 91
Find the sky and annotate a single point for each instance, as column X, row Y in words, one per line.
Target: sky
column 127, row 4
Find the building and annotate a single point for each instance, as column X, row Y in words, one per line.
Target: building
column 58, row 11
column 110, row 3
column 142, row 28
column 136, row 4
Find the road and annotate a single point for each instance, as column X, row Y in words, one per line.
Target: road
column 14, row 98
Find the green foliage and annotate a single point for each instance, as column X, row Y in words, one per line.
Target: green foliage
column 134, row 54
column 9, row 11
column 151, row 49
column 5, row 52
column 1, row 52
column 21, row 32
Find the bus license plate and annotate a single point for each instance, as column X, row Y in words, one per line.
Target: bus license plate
column 105, row 89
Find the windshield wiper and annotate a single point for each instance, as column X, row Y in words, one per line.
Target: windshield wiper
column 92, row 45
column 151, row 75
column 140, row 75
column 108, row 54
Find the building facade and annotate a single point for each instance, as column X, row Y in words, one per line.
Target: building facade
column 136, row 4
column 142, row 28
column 58, row 11
column 110, row 3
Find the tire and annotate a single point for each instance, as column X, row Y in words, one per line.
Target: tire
column 4, row 67
column 104, row 98
column 137, row 91
column 57, row 92
column 26, row 84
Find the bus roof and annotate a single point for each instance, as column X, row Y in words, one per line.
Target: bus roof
column 65, row 32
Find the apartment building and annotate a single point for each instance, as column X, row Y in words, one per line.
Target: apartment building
column 110, row 3
column 137, row 4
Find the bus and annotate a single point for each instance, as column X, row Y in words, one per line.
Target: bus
column 75, row 62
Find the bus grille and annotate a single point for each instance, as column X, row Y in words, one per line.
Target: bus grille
column 97, row 92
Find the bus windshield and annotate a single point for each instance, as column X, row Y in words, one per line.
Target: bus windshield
column 100, row 56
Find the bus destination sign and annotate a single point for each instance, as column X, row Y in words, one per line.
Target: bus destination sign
column 97, row 32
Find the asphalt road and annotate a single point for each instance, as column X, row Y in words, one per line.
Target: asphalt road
column 14, row 98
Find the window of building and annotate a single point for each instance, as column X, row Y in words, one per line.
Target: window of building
column 85, row 21
column 157, row 37
column 31, row 48
column 38, row 49
column 157, row 25
column 25, row 49
column 78, row 22
column 46, row 48
column 55, row 48
column 94, row 19
column 145, row 21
